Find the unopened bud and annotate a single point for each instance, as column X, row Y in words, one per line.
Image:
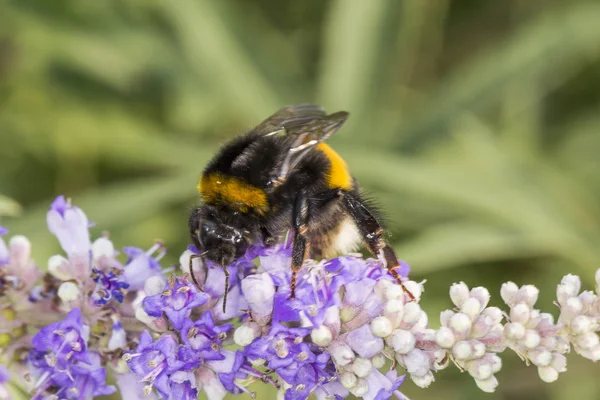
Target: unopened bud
column 321, row 336
column 68, row 291
column 381, row 327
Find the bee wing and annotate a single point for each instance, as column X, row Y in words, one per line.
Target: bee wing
column 308, row 136
column 288, row 119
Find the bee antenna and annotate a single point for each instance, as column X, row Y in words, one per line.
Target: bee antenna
column 226, row 289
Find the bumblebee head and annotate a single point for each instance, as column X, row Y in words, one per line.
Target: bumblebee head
column 219, row 234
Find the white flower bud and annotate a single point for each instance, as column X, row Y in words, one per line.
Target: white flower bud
column 321, row 336
column 445, row 317
column 20, row 249
column 587, row 298
column 508, row 291
column 416, row 362
column 573, row 282
column 259, row 292
column 423, row 381
column 444, row 337
column 532, row 339
column 514, row 331
column 381, row 327
column 478, row 349
column 495, row 313
column 362, row 367
column 541, row 358
column 348, row 380
column 102, row 247
column 593, row 353
column 548, row 374
column 394, row 292
column 471, row 307
column 559, row 362
column 459, row 293
column 528, row 294
column 580, row 324
column 462, row 350
column 414, row 288
column 154, row 285
column 68, row 291
column 244, row 335
column 461, row 324
column 573, row 305
column 378, row 361
column 481, row 294
column 480, row 369
column 488, row 385
column 360, row 389
column 59, row 267
column 394, row 306
column 520, row 313
column 587, row 340
column 412, row 313
column 496, row 364
column 598, row 279
column 342, row 354
column 403, row 341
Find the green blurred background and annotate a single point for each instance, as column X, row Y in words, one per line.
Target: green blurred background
column 475, row 123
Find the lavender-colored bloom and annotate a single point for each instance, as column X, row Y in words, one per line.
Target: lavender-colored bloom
column 131, row 389
column 4, row 377
column 60, row 343
column 204, row 337
column 108, row 286
column 176, row 301
column 84, row 381
column 232, row 367
column 141, row 265
column 183, row 386
column 382, row 387
column 70, row 226
column 295, row 361
column 364, row 343
column 154, row 361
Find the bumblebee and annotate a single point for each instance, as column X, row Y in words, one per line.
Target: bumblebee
column 282, row 176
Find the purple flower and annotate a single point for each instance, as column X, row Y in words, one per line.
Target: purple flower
column 84, row 381
column 154, row 361
column 381, row 387
column 364, row 343
column 70, row 226
column 183, row 386
column 176, row 301
column 232, row 367
column 59, row 344
column 295, row 361
column 108, row 286
column 204, row 337
column 131, row 389
column 141, row 265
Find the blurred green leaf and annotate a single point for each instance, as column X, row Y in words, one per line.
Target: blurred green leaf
column 8, row 207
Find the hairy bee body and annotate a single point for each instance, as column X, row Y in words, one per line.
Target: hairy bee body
column 282, row 177
column 246, row 164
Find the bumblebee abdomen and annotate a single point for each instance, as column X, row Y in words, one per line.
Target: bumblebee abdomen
column 338, row 176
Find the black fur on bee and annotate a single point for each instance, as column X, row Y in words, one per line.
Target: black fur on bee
column 278, row 177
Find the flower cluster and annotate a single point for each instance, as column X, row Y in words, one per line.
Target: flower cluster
column 349, row 330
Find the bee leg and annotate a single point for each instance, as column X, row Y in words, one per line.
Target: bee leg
column 301, row 244
column 372, row 232
column 226, row 289
column 192, row 257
